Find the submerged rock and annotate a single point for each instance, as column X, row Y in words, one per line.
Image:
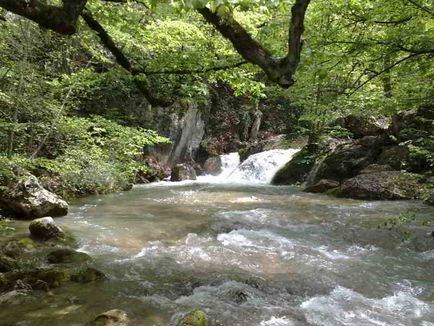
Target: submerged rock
column 195, row 318
column 213, row 165
column 182, row 172
column 113, row 317
column 16, row 297
column 87, row 275
column 45, row 229
column 36, row 279
column 66, row 256
column 24, row 197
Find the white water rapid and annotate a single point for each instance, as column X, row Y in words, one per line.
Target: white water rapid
column 257, row 169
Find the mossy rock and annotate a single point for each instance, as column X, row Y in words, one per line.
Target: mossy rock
column 7, row 264
column 195, row 318
column 17, row 247
column 87, row 275
column 48, row 277
column 45, row 229
column 67, row 256
column 297, row 170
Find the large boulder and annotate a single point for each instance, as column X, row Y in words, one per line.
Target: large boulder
column 396, row 156
column 182, row 172
column 113, row 317
column 347, row 159
column 153, row 172
column 390, row 185
column 361, row 126
column 46, row 229
column 414, row 124
column 24, row 197
column 213, row 165
column 297, row 170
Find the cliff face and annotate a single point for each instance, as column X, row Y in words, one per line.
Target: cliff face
column 219, row 124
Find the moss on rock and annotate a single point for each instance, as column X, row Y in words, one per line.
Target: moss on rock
column 195, row 318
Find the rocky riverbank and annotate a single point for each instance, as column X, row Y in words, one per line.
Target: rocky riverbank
column 370, row 160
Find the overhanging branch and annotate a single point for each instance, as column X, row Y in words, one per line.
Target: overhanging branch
column 280, row 71
column 59, row 19
column 121, row 59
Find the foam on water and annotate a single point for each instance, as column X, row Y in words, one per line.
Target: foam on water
column 344, row 306
column 261, row 167
column 274, row 321
column 257, row 169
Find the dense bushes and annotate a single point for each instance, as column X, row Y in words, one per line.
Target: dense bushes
column 86, row 155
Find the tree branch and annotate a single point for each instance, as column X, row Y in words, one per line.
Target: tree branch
column 196, row 71
column 421, row 7
column 121, row 59
column 280, row 71
column 387, row 69
column 59, row 19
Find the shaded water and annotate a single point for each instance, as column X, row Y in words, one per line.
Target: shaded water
column 246, row 255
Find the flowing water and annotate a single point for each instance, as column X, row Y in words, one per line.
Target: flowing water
column 247, row 254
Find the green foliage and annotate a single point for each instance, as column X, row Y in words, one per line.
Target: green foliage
column 339, row 132
column 93, row 155
column 401, row 219
column 360, row 57
column 397, row 222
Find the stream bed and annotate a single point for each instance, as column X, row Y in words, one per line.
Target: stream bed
column 246, row 254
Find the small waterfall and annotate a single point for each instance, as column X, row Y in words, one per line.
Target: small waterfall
column 230, row 162
column 261, row 167
column 258, row 168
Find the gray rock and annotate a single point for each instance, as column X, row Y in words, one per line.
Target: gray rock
column 381, row 185
column 323, row 185
column 182, row 172
column 297, row 170
column 16, row 297
column 45, row 229
column 26, row 198
column 113, row 317
column 361, row 126
column 346, row 160
column 374, row 168
column 213, row 165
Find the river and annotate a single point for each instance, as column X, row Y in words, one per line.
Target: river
column 246, row 253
